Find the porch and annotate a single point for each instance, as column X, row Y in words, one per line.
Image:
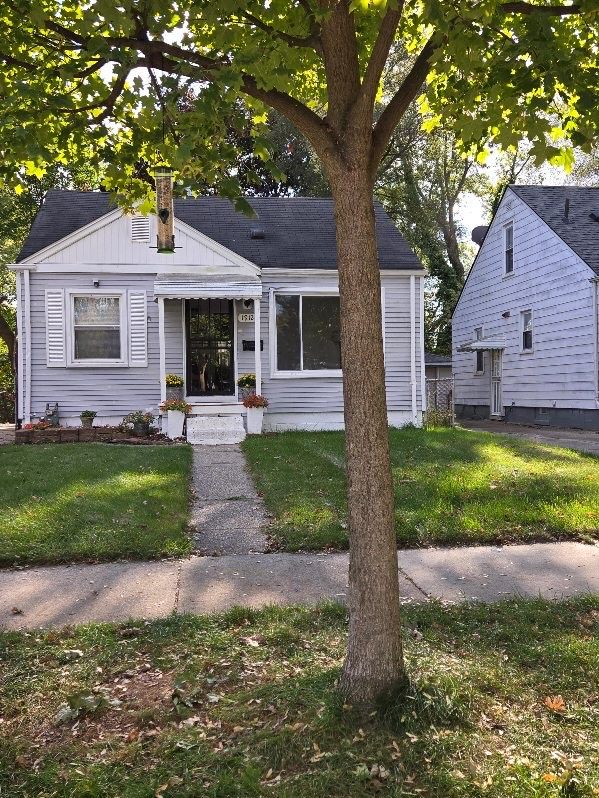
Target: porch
column 208, row 328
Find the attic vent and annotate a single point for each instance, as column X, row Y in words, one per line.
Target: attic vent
column 256, row 232
column 140, row 229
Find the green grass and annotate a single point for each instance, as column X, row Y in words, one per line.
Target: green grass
column 92, row 502
column 451, row 487
column 244, row 705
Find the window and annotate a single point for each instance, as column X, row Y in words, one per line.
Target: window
column 508, row 232
column 307, row 333
column 480, row 355
column 526, row 317
column 96, row 323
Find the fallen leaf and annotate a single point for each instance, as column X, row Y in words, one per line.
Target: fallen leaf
column 555, row 703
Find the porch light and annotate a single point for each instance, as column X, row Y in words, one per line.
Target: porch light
column 165, row 238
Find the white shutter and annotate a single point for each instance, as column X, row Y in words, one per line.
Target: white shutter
column 55, row 328
column 138, row 328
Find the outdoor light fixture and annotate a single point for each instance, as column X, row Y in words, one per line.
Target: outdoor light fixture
column 165, row 239
column 96, row 283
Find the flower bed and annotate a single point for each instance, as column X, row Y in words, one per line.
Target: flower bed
column 88, row 435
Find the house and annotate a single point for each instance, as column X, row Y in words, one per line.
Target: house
column 525, row 328
column 437, row 367
column 103, row 316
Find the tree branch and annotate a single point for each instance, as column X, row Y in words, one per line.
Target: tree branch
column 387, row 122
column 380, row 52
column 310, row 41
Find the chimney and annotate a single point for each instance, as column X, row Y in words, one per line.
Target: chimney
column 479, row 233
column 164, row 209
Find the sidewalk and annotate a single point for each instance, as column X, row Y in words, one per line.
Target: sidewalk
column 59, row 595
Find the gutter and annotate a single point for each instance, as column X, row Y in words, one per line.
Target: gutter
column 595, row 283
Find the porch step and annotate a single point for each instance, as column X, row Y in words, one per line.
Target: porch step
column 212, row 430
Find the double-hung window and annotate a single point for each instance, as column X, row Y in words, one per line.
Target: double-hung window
column 526, row 327
column 97, row 329
column 307, row 334
column 508, row 234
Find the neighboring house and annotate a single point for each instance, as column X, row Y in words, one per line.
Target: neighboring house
column 525, row 328
column 103, row 317
column 437, row 367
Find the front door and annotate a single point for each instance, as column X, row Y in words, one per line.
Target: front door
column 209, row 327
column 496, row 398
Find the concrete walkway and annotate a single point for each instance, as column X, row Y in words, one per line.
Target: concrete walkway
column 227, row 514
column 59, row 595
column 580, row 440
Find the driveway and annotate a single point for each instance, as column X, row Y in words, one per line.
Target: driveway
column 581, row 440
column 7, row 433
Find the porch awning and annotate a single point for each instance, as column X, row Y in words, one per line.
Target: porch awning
column 482, row 345
column 218, row 286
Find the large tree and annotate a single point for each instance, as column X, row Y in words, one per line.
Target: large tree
column 71, row 85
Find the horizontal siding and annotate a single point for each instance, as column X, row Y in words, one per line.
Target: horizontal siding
column 174, row 348
column 108, row 391
column 554, row 283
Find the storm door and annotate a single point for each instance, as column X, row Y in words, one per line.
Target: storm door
column 209, row 328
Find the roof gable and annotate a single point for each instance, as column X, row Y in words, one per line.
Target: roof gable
column 299, row 232
column 580, row 231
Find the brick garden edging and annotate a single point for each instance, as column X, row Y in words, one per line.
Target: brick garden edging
column 86, row 435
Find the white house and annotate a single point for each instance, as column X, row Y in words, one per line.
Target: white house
column 525, row 328
column 103, row 316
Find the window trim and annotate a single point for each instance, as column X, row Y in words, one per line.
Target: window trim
column 72, row 361
column 506, row 226
column 477, row 338
column 275, row 373
column 524, row 351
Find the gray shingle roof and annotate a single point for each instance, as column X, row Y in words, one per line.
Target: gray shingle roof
column 580, row 232
column 431, row 359
column 299, row 232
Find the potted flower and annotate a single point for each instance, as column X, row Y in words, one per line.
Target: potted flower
column 247, row 385
column 87, row 418
column 255, row 406
column 176, row 410
column 140, row 420
column 174, row 386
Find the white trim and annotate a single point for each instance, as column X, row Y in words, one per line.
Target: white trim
column 413, row 348
column 162, row 348
column 234, row 351
column 595, row 286
column 27, row 396
column 522, row 350
column 383, row 326
column 422, row 355
column 477, row 372
column 184, row 339
column 72, row 238
column 71, row 361
column 257, row 347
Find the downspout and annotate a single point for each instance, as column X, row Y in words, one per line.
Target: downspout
column 20, row 351
column 422, row 356
column 595, row 284
column 27, row 393
column 413, row 348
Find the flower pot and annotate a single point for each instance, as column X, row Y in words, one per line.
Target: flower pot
column 174, row 423
column 243, row 392
column 254, row 420
column 87, row 422
column 141, row 429
column 174, row 392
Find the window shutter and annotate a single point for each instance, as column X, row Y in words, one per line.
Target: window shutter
column 55, row 328
column 140, row 229
column 138, row 329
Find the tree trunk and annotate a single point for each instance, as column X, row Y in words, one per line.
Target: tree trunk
column 8, row 336
column 374, row 663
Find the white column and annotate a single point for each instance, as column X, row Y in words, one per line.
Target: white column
column 413, row 347
column 27, row 392
column 257, row 353
column 162, row 348
column 20, row 351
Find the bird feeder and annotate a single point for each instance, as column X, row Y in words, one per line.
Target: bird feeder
column 163, row 176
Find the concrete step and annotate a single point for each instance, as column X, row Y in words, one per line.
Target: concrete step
column 215, row 429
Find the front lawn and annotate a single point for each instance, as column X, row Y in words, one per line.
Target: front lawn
column 92, row 502
column 452, row 487
column 243, row 705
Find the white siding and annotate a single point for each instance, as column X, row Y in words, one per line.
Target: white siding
column 554, row 283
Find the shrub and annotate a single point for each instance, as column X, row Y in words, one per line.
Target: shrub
column 88, row 414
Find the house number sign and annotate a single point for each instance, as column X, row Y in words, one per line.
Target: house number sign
column 247, row 317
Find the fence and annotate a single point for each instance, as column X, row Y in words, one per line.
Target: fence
column 439, row 402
